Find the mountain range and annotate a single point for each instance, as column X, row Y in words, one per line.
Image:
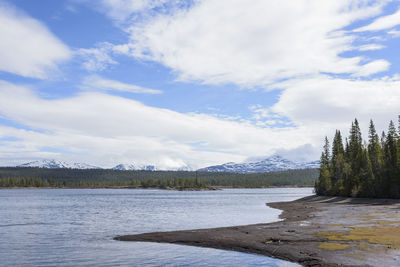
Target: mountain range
column 56, row 164
column 273, row 163
column 132, row 167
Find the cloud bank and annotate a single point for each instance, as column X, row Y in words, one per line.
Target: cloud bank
column 256, row 44
column 27, row 47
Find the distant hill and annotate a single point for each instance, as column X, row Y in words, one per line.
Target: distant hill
column 270, row 164
column 132, row 167
column 56, row 164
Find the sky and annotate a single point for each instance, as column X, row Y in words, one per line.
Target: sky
column 188, row 84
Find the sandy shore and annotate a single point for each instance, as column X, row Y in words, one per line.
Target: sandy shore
column 315, row 231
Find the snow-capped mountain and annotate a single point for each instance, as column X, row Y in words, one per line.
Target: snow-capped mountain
column 273, row 163
column 133, row 167
column 56, row 164
column 124, row 167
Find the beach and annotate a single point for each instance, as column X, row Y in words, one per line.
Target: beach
column 314, row 231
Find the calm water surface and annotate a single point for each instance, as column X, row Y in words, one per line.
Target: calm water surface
column 75, row 227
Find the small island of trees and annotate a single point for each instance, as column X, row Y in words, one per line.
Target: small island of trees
column 361, row 169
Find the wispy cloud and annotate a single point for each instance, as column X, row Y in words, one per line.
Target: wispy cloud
column 257, row 44
column 27, row 47
column 110, row 129
column 121, row 10
column 394, row 33
column 382, row 23
column 371, row 47
column 97, row 83
column 98, row 58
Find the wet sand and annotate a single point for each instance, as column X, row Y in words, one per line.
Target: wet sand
column 315, row 231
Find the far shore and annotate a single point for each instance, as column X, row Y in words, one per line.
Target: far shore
column 315, row 231
column 209, row 188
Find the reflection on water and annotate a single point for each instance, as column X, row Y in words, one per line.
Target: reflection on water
column 75, row 227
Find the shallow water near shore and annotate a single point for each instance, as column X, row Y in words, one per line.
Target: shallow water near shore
column 75, row 227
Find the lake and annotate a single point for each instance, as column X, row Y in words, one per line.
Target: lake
column 75, row 227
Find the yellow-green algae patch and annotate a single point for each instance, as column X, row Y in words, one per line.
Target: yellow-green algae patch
column 362, row 245
column 332, row 246
column 389, row 236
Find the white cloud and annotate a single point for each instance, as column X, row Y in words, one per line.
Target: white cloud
column 27, row 47
column 104, row 129
column 95, row 82
column 382, row 23
column 372, row 67
column 249, row 45
column 325, row 102
column 97, row 58
column 304, row 153
column 371, row 47
column 121, row 10
column 255, row 44
column 394, row 33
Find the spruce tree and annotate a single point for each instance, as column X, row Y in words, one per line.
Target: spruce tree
column 338, row 164
column 361, row 169
column 323, row 184
column 375, row 156
column 367, row 178
column 391, row 182
column 355, row 148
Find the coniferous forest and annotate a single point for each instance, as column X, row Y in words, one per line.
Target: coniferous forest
column 355, row 168
column 92, row 178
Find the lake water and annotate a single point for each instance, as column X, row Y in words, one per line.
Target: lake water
column 75, row 227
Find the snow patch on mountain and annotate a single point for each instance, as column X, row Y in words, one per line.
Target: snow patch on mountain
column 133, row 167
column 124, row 167
column 273, row 163
column 56, row 164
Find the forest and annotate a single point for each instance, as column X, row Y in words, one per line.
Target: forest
column 99, row 178
column 357, row 168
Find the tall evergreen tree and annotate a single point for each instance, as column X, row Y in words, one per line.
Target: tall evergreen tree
column 391, row 182
column 367, row 177
column 323, row 184
column 375, row 156
column 383, row 139
column 355, row 149
column 338, row 164
column 362, row 169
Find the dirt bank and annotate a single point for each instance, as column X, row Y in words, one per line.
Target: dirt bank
column 315, row 231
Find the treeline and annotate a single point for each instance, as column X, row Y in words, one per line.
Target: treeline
column 178, row 183
column 361, row 169
column 76, row 178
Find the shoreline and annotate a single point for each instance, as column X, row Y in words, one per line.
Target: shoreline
column 315, row 231
column 211, row 188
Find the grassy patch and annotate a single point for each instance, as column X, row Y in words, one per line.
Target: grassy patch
column 332, row 246
column 389, row 236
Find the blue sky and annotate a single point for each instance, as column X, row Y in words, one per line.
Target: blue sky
column 190, row 84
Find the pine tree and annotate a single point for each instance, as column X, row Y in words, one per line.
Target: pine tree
column 375, row 156
column 323, row 184
column 361, row 169
column 391, row 182
column 367, row 178
column 355, row 149
column 383, row 139
column 338, row 164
